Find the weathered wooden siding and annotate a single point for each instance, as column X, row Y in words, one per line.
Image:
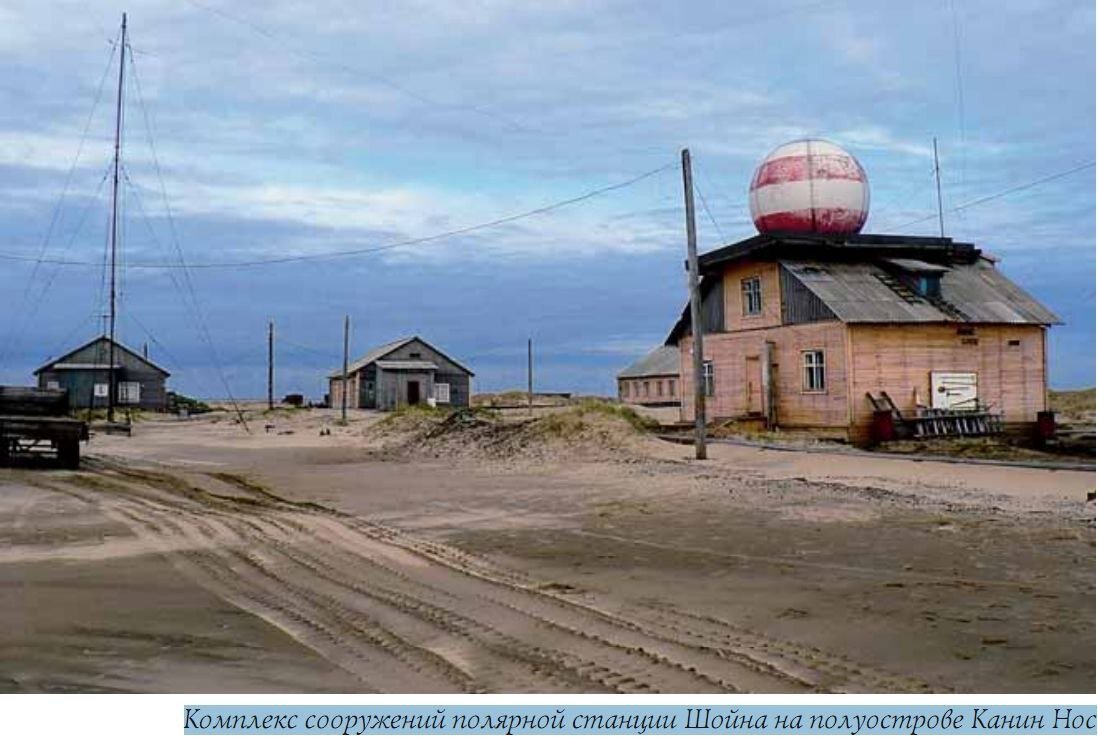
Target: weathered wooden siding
column 736, row 394
column 799, row 304
column 771, row 315
column 81, row 382
column 899, row 359
column 373, row 387
column 335, row 391
column 661, row 390
column 447, row 372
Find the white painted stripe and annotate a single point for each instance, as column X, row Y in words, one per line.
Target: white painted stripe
column 786, row 197
column 800, row 149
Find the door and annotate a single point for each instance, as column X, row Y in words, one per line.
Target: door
column 413, row 392
column 752, row 375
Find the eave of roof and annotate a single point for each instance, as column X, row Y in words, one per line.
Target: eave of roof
column 855, row 246
column 86, row 344
column 663, row 361
column 379, row 352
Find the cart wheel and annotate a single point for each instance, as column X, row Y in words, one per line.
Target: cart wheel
column 68, row 453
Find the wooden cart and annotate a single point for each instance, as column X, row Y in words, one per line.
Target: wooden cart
column 36, row 424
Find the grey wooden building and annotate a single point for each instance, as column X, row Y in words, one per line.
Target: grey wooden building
column 653, row 380
column 407, row 371
column 85, row 373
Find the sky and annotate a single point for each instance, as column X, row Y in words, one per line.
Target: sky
column 286, row 129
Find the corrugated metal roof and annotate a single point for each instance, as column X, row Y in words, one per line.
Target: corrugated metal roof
column 406, row 364
column 860, row 292
column 663, row 360
column 370, row 356
column 917, row 265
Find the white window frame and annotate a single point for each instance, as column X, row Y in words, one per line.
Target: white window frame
column 751, row 292
column 53, row 385
column 129, row 393
column 813, row 371
column 708, row 382
column 100, row 390
column 442, row 392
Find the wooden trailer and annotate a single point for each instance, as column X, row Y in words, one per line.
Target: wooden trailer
column 36, row 424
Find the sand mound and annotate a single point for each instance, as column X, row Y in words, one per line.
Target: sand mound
column 587, row 430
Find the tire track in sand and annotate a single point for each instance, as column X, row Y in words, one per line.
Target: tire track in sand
column 408, row 615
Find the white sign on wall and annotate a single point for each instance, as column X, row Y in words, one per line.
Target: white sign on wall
column 953, row 390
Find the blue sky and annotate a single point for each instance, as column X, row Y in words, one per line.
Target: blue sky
column 289, row 128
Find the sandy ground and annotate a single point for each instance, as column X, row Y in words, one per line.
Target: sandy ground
column 193, row 557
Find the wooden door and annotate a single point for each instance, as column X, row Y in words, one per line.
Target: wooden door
column 413, row 392
column 752, row 377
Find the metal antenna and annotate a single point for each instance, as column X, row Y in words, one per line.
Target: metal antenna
column 114, row 220
column 938, row 182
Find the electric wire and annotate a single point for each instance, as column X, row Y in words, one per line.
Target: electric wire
column 1000, row 194
column 188, row 282
column 383, row 247
column 59, row 205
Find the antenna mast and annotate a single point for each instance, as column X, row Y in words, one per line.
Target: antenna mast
column 114, row 219
column 938, row 182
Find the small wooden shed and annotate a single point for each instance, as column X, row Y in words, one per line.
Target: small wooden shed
column 85, row 373
column 407, row 371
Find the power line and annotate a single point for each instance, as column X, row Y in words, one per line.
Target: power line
column 39, row 260
column 384, row 247
column 705, row 207
column 195, row 305
column 1001, row 194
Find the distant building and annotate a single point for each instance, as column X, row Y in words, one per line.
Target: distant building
column 408, row 371
column 652, row 380
column 85, row 373
column 801, row 330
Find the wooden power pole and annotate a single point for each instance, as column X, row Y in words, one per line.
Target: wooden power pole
column 530, row 376
column 270, row 365
column 695, row 307
column 346, row 349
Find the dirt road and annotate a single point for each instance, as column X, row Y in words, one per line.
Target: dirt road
column 313, row 563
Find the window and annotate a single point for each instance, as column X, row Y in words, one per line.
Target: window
column 442, row 392
column 53, row 385
column 415, row 355
column 623, row 389
column 129, row 392
column 752, row 296
column 707, row 378
column 646, row 388
column 659, row 388
column 671, row 388
column 814, row 371
column 100, row 390
column 636, row 389
column 929, row 285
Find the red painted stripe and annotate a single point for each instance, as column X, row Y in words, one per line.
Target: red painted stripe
column 827, row 221
column 795, row 168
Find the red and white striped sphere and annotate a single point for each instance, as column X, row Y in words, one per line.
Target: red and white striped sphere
column 810, row 186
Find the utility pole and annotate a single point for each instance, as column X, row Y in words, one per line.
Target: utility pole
column 530, row 376
column 938, row 182
column 695, row 307
column 346, row 349
column 114, row 218
column 270, row 365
